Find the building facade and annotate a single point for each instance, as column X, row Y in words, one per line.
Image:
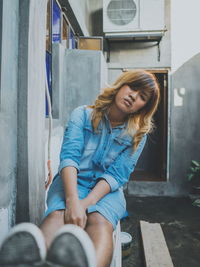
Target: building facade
column 76, row 77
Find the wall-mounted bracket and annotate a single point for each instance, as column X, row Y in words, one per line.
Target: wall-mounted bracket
column 135, row 37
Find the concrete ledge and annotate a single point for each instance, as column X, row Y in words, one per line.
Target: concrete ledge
column 155, row 189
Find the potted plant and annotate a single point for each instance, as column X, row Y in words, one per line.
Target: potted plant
column 194, row 180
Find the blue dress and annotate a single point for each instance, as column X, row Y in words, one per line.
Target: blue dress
column 106, row 154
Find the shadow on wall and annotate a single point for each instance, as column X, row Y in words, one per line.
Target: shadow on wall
column 97, row 22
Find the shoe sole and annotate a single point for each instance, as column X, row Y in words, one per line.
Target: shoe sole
column 34, row 231
column 84, row 240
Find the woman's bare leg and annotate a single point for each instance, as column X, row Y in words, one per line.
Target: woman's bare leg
column 98, row 228
column 101, row 232
column 51, row 224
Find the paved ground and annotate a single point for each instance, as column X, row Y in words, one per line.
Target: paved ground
column 179, row 220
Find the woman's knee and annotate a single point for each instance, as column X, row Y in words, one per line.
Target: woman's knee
column 98, row 220
column 57, row 215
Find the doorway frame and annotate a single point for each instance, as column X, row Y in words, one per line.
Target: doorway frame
column 165, row 71
column 168, row 91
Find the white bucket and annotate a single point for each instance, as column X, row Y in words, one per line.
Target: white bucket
column 126, row 240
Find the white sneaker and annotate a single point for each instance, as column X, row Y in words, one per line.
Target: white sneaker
column 71, row 247
column 23, row 246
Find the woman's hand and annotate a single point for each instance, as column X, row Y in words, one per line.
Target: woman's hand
column 76, row 212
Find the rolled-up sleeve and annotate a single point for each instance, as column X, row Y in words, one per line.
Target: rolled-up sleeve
column 73, row 140
column 119, row 171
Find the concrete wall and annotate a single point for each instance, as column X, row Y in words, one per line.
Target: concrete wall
column 1, row 18
column 8, row 114
column 185, row 141
column 56, row 142
column 184, row 31
column 96, row 17
column 103, row 72
column 22, row 112
column 31, row 111
column 185, row 129
column 83, row 78
column 185, row 132
column 58, row 74
column 18, row 141
column 77, row 76
column 81, row 11
column 88, row 14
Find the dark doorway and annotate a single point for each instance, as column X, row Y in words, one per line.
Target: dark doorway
column 152, row 163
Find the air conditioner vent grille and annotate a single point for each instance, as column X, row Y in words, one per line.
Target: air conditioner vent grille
column 121, row 12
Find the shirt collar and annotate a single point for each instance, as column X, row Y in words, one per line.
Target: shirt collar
column 121, row 126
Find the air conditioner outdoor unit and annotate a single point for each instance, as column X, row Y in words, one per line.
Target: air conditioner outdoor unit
column 122, row 17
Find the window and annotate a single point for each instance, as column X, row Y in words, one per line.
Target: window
column 48, row 27
column 65, row 31
column 56, row 23
column 90, row 43
column 72, row 40
column 49, row 53
column 53, row 35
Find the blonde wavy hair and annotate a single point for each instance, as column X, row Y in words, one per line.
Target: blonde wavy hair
column 140, row 122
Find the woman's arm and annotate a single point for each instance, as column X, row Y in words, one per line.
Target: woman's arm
column 71, row 151
column 75, row 212
column 101, row 189
column 116, row 175
column 69, row 178
column 120, row 169
column 73, row 140
column 76, row 209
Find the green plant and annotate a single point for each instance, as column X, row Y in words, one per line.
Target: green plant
column 194, row 173
column 196, row 202
column 194, row 179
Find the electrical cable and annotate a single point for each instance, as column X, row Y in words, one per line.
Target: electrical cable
column 48, row 181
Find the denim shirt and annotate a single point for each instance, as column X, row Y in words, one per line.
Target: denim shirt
column 105, row 154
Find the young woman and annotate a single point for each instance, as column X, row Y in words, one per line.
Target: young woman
column 101, row 146
column 100, row 149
